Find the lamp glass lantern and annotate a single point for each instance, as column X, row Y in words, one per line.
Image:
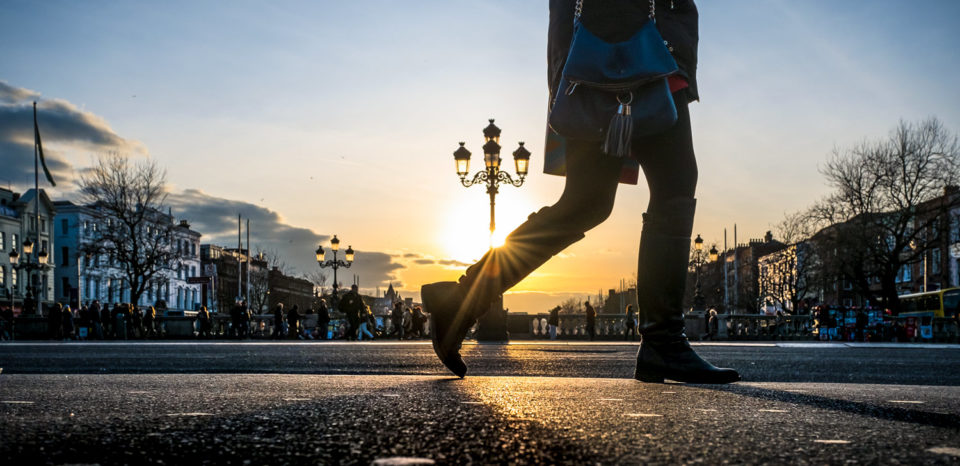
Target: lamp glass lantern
column 462, row 158
column 28, row 247
column 714, row 254
column 698, row 243
column 349, row 254
column 42, row 257
column 14, row 257
column 521, row 158
column 320, row 253
column 335, row 244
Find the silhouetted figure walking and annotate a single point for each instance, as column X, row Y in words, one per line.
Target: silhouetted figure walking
column 630, row 327
column 351, row 305
column 591, row 320
column 592, row 178
column 203, row 322
column 553, row 321
column 278, row 321
column 323, row 320
column 293, row 322
column 396, row 320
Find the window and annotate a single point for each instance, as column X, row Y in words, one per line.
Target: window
column 935, row 261
column 64, row 228
column 43, row 225
column 3, row 240
column 3, row 276
column 43, row 245
column 13, row 278
column 16, row 241
column 193, row 271
column 86, row 289
column 65, row 286
column 193, row 249
column 65, row 255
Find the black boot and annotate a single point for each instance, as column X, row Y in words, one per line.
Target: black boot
column 665, row 352
column 455, row 306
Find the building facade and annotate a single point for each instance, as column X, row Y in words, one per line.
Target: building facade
column 18, row 224
column 82, row 277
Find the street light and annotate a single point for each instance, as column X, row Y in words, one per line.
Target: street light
column 334, row 263
column 491, row 176
column 492, row 324
column 29, row 266
column 698, row 300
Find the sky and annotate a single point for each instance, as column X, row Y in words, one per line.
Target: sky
column 322, row 118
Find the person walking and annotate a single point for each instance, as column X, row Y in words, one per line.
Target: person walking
column 203, row 322
column 351, row 305
column 149, row 322
column 96, row 320
column 55, row 321
column 553, row 321
column 106, row 319
column 67, row 321
column 396, row 320
column 592, row 178
column 323, row 319
column 591, row 319
column 630, row 332
column 366, row 316
column 293, row 322
column 278, row 320
column 119, row 321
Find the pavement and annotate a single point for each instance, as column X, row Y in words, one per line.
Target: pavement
column 391, row 403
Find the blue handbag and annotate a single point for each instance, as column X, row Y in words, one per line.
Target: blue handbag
column 614, row 91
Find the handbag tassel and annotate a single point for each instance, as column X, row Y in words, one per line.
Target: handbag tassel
column 619, row 133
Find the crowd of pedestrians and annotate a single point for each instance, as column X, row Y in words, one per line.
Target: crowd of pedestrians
column 119, row 321
column 124, row 321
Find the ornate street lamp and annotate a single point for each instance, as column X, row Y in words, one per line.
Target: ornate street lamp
column 30, row 267
column 334, row 263
column 698, row 300
column 493, row 324
column 491, row 176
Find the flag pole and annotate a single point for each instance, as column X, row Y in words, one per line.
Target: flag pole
column 36, row 202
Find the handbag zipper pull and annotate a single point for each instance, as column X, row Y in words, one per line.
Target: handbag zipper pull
column 572, row 87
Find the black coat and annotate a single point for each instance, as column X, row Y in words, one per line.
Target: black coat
column 616, row 20
column 352, row 305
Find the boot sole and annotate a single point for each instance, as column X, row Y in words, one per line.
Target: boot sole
column 657, row 375
column 451, row 360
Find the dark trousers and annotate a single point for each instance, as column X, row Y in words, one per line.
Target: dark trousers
column 592, row 179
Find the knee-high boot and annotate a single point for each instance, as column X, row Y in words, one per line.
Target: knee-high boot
column 661, row 281
column 455, row 306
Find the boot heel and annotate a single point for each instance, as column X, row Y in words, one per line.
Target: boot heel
column 648, row 376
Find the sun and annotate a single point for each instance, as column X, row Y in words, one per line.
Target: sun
column 466, row 234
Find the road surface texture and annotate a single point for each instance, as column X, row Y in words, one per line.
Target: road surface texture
column 360, row 403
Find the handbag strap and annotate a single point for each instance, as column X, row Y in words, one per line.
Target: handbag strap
column 578, row 9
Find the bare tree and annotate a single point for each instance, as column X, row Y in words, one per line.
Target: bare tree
column 132, row 232
column 786, row 276
column 319, row 280
column 888, row 203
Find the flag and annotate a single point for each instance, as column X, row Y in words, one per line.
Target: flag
column 36, row 137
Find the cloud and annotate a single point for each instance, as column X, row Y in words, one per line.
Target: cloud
column 12, row 95
column 425, row 261
column 65, row 130
column 216, row 219
column 453, row 263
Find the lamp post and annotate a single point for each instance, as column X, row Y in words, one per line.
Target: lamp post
column 492, row 324
column 30, row 267
column 334, row 263
column 699, row 303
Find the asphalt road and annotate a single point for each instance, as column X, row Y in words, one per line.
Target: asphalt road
column 256, row 403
